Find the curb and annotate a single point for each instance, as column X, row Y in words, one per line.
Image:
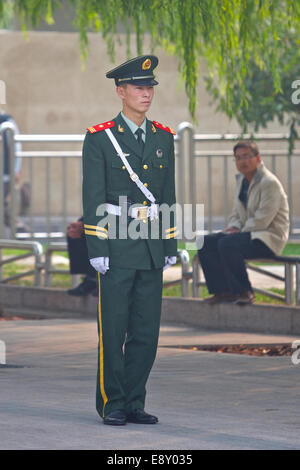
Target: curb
column 35, row 302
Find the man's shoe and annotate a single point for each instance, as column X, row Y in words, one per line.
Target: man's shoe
column 84, row 288
column 139, row 416
column 115, row 418
column 220, row 298
column 247, row 297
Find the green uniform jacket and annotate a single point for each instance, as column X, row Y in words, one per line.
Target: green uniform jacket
column 105, row 179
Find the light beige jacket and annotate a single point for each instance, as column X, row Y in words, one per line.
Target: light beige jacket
column 267, row 213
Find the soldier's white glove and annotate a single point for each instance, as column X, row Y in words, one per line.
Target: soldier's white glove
column 169, row 260
column 101, row 264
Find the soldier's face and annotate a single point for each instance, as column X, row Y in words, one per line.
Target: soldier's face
column 136, row 98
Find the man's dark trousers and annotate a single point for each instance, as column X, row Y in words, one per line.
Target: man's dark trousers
column 79, row 259
column 222, row 259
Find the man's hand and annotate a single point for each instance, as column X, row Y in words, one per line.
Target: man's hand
column 101, row 264
column 230, row 230
column 169, row 260
column 75, row 230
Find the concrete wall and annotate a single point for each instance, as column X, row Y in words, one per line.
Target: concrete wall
column 49, row 91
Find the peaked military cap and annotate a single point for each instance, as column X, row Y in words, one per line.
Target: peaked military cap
column 137, row 71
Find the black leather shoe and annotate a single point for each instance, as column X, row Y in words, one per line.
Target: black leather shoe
column 115, row 418
column 225, row 297
column 247, row 297
column 84, row 288
column 139, row 416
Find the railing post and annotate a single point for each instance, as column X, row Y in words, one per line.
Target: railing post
column 196, row 277
column 185, row 265
column 288, row 268
column 38, row 266
column 8, row 127
column 47, row 275
column 2, row 129
column 12, row 189
column 185, row 128
column 1, row 184
column 297, row 283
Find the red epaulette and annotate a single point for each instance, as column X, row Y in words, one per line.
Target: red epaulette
column 101, row 127
column 164, row 128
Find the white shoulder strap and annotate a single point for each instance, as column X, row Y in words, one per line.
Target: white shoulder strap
column 132, row 174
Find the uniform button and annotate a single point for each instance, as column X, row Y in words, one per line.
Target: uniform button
column 145, row 203
column 145, row 167
column 146, row 185
column 123, row 167
column 160, row 166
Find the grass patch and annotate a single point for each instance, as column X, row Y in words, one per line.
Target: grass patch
column 175, row 291
column 16, row 252
column 64, row 281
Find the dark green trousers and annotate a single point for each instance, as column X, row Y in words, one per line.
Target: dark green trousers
column 129, row 309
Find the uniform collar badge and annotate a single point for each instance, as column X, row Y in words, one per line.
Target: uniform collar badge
column 120, row 128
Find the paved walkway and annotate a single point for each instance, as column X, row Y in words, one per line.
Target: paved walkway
column 204, row 400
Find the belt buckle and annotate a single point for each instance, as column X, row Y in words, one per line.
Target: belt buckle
column 142, row 214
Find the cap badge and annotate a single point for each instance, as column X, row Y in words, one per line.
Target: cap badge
column 146, row 64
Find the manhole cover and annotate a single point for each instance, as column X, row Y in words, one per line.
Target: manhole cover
column 248, row 349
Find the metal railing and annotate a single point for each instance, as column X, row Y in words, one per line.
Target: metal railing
column 191, row 161
column 35, row 249
column 287, row 279
column 42, row 264
column 54, row 247
column 184, row 258
column 199, row 153
column 47, row 269
column 8, row 128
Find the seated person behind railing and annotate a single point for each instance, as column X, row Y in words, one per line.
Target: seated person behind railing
column 258, row 228
column 79, row 260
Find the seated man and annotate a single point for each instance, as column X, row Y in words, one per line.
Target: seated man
column 258, row 228
column 79, row 260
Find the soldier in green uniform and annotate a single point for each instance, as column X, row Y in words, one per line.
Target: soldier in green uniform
column 140, row 172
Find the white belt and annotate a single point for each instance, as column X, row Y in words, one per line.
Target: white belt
column 112, row 209
column 137, row 212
